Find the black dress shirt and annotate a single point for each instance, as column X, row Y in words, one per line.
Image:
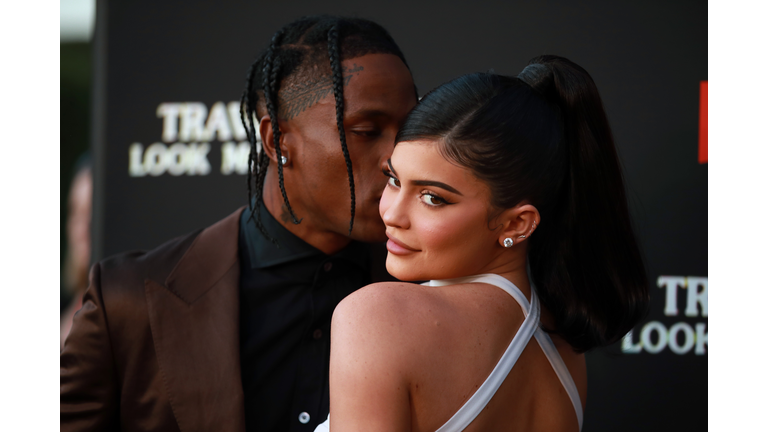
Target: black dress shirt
column 287, row 296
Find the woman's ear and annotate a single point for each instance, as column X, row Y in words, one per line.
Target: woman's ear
column 518, row 224
column 268, row 139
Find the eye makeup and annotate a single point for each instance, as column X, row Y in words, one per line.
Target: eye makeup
column 431, row 196
column 427, row 197
column 441, row 185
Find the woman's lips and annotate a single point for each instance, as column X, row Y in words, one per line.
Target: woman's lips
column 397, row 247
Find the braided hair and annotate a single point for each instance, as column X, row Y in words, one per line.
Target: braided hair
column 295, row 55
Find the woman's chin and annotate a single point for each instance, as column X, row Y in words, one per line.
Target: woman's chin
column 407, row 269
column 404, row 271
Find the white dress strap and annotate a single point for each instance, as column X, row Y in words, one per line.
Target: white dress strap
column 545, row 342
column 557, row 363
column 467, row 413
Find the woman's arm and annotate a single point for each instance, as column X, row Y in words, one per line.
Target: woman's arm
column 369, row 357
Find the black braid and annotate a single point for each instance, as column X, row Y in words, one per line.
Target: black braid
column 245, row 104
column 338, row 92
column 248, row 110
column 263, row 163
column 292, row 52
column 270, row 84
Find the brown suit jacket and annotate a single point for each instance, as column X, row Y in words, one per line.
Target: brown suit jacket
column 155, row 346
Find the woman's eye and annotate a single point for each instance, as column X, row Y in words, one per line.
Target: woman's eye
column 432, row 200
column 394, row 182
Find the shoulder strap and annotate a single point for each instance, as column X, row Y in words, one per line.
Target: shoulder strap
column 557, row 363
column 467, row 413
column 549, row 349
column 561, row 370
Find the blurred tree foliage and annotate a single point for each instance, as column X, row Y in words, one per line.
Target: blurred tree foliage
column 75, row 124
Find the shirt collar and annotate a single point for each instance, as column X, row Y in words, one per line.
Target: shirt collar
column 263, row 253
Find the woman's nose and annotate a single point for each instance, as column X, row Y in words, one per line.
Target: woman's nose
column 393, row 210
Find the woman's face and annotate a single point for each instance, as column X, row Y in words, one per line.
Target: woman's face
column 437, row 217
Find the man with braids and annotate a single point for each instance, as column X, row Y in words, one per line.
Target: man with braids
column 228, row 328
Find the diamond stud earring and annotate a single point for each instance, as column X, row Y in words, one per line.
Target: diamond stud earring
column 508, row 242
column 283, row 160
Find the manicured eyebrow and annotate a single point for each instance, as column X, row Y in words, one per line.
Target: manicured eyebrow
column 426, row 182
column 436, row 184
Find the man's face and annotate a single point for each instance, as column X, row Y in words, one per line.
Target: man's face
column 378, row 94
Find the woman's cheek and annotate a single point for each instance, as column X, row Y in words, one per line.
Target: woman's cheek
column 439, row 231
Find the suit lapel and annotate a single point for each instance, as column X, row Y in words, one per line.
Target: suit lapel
column 194, row 318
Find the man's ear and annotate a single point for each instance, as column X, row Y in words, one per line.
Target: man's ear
column 268, row 139
column 518, row 224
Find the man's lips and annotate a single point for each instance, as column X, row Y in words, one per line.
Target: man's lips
column 397, row 247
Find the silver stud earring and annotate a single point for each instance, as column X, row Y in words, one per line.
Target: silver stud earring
column 508, row 242
column 283, row 160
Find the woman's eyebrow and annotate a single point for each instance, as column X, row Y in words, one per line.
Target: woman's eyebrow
column 426, row 182
column 437, row 184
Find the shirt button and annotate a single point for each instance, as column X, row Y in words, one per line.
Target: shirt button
column 304, row 418
column 327, row 266
column 317, row 334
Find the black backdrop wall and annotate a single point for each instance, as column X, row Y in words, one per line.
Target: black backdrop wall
column 167, row 158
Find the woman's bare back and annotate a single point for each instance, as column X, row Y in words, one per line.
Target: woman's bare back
column 446, row 342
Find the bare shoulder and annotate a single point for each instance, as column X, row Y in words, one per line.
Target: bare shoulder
column 384, row 322
column 380, row 299
column 410, row 311
column 382, row 309
column 370, row 359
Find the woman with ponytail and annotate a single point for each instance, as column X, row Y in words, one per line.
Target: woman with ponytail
column 506, row 194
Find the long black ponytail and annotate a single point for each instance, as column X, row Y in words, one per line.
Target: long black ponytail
column 594, row 252
column 544, row 137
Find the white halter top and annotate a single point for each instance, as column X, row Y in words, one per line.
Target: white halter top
column 530, row 327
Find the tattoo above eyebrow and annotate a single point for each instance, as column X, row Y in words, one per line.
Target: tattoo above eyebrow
column 297, row 99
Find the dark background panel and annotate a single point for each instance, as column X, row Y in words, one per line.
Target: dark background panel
column 647, row 59
column 639, row 56
column 74, row 99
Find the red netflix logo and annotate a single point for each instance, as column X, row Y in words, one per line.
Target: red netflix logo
column 703, row 122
